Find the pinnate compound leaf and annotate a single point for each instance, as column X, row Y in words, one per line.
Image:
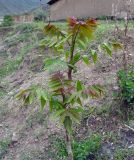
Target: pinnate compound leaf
column 94, row 91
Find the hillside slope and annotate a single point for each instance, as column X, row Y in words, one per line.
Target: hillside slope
column 36, row 136
column 19, row 6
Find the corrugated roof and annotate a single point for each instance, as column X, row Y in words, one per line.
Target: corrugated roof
column 52, row 2
column 10, row 7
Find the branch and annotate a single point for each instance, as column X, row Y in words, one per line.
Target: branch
column 129, row 127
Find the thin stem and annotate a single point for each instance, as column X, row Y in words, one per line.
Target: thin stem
column 69, row 146
column 68, row 136
column 72, row 53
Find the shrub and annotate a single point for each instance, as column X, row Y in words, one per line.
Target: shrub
column 26, row 28
column 126, row 84
column 40, row 17
column 87, row 148
column 126, row 93
column 82, row 150
column 8, row 21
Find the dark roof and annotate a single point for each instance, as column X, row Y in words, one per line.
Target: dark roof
column 15, row 7
column 52, row 2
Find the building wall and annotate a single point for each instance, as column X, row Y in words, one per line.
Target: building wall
column 23, row 18
column 85, row 8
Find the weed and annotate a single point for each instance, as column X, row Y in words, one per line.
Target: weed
column 37, row 117
column 26, row 28
column 39, row 132
column 2, row 93
column 13, row 64
column 126, row 94
column 87, row 148
column 8, row 21
column 126, row 83
column 4, row 144
column 82, row 150
column 3, row 111
column 33, row 154
column 59, row 146
column 124, row 154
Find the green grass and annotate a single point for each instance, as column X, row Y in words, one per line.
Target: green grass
column 36, row 118
column 4, row 145
column 24, row 33
column 81, row 149
column 2, row 93
column 12, row 64
column 123, row 154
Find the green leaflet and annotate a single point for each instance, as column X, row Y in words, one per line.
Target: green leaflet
column 55, row 64
column 94, row 56
column 79, row 86
column 68, row 124
column 85, row 59
column 107, row 49
column 76, row 58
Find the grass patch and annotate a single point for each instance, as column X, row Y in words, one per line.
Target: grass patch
column 30, row 154
column 4, row 145
column 2, row 93
column 82, row 150
column 36, row 118
column 3, row 111
column 12, row 64
column 124, row 154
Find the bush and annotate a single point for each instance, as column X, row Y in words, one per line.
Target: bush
column 26, row 28
column 82, row 150
column 40, row 17
column 8, row 21
column 126, row 84
column 87, row 148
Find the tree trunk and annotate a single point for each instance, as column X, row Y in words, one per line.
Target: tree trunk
column 69, row 146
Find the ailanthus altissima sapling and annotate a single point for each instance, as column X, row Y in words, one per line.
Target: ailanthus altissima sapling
column 65, row 95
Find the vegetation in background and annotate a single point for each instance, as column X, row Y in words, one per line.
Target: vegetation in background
column 126, row 75
column 25, row 37
column 126, row 94
column 8, row 21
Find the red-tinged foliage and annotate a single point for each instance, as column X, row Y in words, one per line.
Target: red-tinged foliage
column 60, row 85
column 73, row 22
column 92, row 22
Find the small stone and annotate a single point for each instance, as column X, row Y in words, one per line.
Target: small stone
column 116, row 88
column 15, row 138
